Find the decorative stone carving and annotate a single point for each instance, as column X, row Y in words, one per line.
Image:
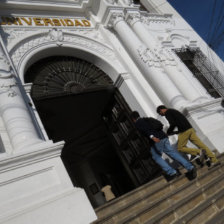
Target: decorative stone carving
column 148, row 57
column 19, row 51
column 93, row 34
column 148, row 19
column 8, row 89
column 90, row 44
column 12, row 93
column 12, row 35
column 115, row 18
column 112, row 2
column 156, row 53
column 5, row 73
column 127, row 2
column 165, row 56
column 5, row 70
column 132, row 18
column 56, row 35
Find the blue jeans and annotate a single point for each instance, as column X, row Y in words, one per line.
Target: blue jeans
column 164, row 146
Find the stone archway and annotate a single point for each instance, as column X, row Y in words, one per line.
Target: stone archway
column 78, row 103
column 88, row 45
column 59, row 75
column 70, row 96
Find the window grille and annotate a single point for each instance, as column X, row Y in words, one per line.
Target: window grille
column 206, row 73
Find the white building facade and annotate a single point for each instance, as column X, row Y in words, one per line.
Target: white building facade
column 144, row 49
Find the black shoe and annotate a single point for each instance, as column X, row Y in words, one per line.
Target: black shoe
column 214, row 164
column 192, row 174
column 170, row 177
column 198, row 162
column 178, row 173
column 208, row 162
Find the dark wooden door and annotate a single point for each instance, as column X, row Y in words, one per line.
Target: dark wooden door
column 132, row 148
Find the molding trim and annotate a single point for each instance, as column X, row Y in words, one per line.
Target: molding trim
column 121, row 78
column 149, row 18
column 21, row 49
column 51, row 5
column 207, row 108
column 48, row 150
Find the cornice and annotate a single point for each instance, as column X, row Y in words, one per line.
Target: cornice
column 115, row 17
column 148, row 18
column 9, row 162
column 110, row 13
column 206, row 108
column 157, row 15
column 50, row 5
column 132, row 17
column 116, row 9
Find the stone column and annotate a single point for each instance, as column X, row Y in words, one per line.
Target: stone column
column 164, row 56
column 147, row 62
column 13, row 109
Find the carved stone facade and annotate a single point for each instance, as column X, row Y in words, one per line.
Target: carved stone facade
column 148, row 57
column 86, row 39
column 135, row 48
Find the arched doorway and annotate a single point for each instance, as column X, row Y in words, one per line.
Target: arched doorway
column 78, row 103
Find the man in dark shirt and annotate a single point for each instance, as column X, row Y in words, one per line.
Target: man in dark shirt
column 162, row 144
column 185, row 132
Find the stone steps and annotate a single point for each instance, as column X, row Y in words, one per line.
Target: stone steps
column 111, row 208
column 174, row 205
column 190, row 202
column 152, row 202
column 211, row 207
column 217, row 219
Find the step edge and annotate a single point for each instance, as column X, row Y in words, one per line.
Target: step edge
column 137, row 189
column 216, row 219
column 184, row 200
column 155, row 203
column 201, row 207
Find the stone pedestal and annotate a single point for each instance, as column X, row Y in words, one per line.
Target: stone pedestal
column 34, row 185
column 109, row 195
column 207, row 118
column 35, row 188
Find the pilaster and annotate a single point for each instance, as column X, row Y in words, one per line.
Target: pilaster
column 164, row 56
column 13, row 110
column 147, row 61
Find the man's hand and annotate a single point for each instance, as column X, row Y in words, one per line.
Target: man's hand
column 156, row 139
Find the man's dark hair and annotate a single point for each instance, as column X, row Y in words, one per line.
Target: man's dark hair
column 135, row 115
column 160, row 108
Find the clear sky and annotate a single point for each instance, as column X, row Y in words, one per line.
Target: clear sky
column 207, row 18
